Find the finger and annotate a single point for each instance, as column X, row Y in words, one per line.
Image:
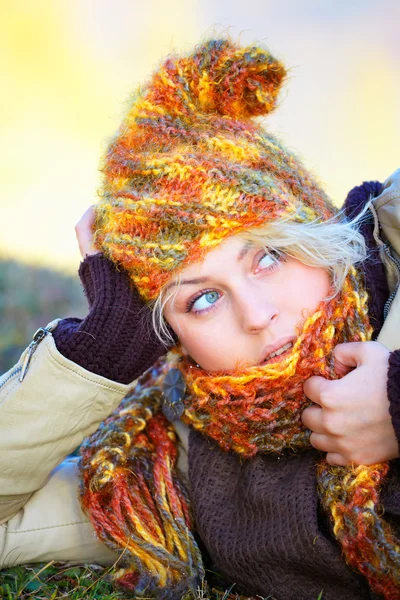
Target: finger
column 87, row 219
column 84, row 232
column 312, row 419
column 346, row 357
column 337, row 460
column 313, row 388
column 323, row 442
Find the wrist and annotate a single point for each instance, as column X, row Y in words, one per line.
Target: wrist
column 93, row 271
column 85, row 275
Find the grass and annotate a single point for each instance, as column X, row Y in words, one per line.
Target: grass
column 56, row 581
column 53, row 581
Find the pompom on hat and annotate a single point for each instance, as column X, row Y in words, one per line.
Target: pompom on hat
column 191, row 166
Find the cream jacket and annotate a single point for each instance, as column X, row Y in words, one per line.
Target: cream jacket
column 43, row 419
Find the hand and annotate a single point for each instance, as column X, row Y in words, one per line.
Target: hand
column 352, row 421
column 84, row 233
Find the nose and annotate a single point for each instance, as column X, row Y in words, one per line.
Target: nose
column 257, row 312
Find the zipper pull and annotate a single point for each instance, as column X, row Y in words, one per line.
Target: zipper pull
column 37, row 338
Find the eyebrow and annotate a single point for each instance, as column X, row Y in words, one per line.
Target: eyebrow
column 244, row 251
column 197, row 280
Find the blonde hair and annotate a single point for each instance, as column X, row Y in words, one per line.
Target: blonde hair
column 334, row 245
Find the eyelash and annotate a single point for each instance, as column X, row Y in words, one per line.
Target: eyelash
column 279, row 258
column 192, row 301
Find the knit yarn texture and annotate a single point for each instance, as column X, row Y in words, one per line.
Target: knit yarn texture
column 191, row 165
column 137, row 501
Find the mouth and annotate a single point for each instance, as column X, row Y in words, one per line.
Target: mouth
column 278, row 354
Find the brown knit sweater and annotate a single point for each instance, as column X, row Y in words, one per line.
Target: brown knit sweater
column 262, row 526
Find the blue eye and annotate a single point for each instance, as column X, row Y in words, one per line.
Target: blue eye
column 269, row 260
column 205, row 301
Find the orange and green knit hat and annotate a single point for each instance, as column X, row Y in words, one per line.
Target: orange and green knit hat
column 190, row 164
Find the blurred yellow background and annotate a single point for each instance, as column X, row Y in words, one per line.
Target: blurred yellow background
column 68, row 66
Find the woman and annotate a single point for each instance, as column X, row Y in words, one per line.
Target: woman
column 238, row 251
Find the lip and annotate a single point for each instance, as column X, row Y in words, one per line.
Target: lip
column 274, row 347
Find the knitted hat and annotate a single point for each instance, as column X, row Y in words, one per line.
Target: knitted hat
column 191, row 166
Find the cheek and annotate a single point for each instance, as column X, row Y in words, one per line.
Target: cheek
column 211, row 345
column 199, row 349
column 201, row 343
column 309, row 287
column 190, row 338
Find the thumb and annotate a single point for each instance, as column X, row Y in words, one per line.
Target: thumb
column 346, row 357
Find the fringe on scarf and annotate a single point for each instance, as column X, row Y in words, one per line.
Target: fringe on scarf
column 137, row 501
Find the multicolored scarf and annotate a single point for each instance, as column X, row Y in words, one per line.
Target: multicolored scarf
column 137, row 500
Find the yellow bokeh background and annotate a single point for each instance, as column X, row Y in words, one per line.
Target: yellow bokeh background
column 68, row 67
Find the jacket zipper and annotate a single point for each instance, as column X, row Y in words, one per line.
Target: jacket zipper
column 38, row 336
column 389, row 301
column 14, row 372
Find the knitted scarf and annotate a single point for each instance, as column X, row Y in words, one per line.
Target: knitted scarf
column 137, row 500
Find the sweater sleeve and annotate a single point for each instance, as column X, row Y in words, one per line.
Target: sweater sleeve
column 393, row 388
column 116, row 340
column 372, row 267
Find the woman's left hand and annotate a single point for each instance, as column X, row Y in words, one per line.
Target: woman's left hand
column 84, row 233
column 352, row 421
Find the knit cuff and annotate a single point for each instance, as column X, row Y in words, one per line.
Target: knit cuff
column 86, row 277
column 116, row 339
column 393, row 389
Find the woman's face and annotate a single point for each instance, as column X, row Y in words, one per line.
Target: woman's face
column 241, row 305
